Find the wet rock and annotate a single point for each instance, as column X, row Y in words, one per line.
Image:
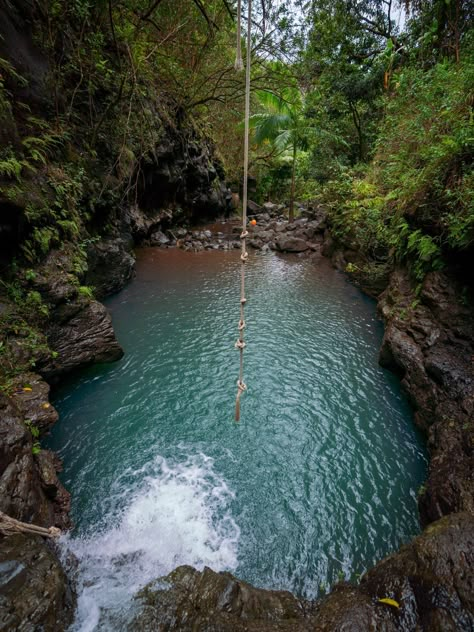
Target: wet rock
column 30, row 393
column 158, row 238
column 291, row 244
column 189, row 600
column 80, row 335
column 29, row 488
column 111, row 265
column 450, row 483
column 430, row 579
column 429, row 343
column 34, row 591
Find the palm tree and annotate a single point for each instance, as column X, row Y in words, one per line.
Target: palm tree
column 283, row 125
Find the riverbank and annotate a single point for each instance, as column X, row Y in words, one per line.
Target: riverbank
column 417, row 592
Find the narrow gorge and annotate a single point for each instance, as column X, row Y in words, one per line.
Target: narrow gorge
column 345, row 497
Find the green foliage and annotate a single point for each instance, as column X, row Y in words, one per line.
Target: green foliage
column 35, row 433
column 86, row 291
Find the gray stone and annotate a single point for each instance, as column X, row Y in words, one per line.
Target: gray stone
column 291, row 244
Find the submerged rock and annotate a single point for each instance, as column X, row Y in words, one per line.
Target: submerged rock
column 34, row 591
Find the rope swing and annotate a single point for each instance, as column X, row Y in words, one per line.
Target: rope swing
column 240, row 344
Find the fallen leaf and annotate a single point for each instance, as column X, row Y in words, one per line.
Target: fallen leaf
column 389, row 602
column 27, row 389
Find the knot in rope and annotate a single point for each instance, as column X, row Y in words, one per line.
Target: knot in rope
column 241, row 325
column 241, row 386
column 240, row 344
column 244, row 234
column 244, row 256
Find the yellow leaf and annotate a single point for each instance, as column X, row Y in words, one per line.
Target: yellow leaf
column 46, row 405
column 27, row 389
column 389, row 602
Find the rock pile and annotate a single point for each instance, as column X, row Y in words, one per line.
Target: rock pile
column 272, row 232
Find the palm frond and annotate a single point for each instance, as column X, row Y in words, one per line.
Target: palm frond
column 268, row 126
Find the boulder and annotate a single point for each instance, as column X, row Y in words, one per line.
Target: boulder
column 253, row 207
column 80, row 334
column 158, row 238
column 430, row 581
column 291, row 244
column 34, row 590
column 111, row 265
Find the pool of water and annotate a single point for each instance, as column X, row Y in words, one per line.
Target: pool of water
column 319, row 479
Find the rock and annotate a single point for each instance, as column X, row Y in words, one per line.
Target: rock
column 34, row 590
column 449, row 487
column 189, row 600
column 159, row 238
column 181, row 232
column 34, row 404
column 183, row 173
column 111, row 265
column 291, row 244
column 29, row 488
column 207, row 234
column 270, row 207
column 253, row 208
column 429, row 343
column 431, row 579
column 80, row 335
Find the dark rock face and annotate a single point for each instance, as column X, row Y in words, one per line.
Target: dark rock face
column 183, row 174
column 29, row 487
column 430, row 579
column 189, row 600
column 111, row 265
column 429, row 343
column 81, row 334
column 79, row 329
column 34, row 592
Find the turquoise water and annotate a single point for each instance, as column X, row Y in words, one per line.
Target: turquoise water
column 319, row 479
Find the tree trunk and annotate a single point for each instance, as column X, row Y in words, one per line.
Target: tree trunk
column 291, row 215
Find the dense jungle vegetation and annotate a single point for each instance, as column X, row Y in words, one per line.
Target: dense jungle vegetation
column 362, row 106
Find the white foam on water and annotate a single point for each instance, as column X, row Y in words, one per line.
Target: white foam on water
column 159, row 517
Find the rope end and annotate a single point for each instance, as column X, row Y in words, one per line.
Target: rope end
column 237, row 409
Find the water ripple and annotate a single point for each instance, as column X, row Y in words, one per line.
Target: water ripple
column 322, row 472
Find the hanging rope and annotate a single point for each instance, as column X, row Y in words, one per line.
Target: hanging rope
column 240, row 344
column 239, row 64
column 10, row 526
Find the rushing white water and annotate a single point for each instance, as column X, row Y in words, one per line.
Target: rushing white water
column 158, row 517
